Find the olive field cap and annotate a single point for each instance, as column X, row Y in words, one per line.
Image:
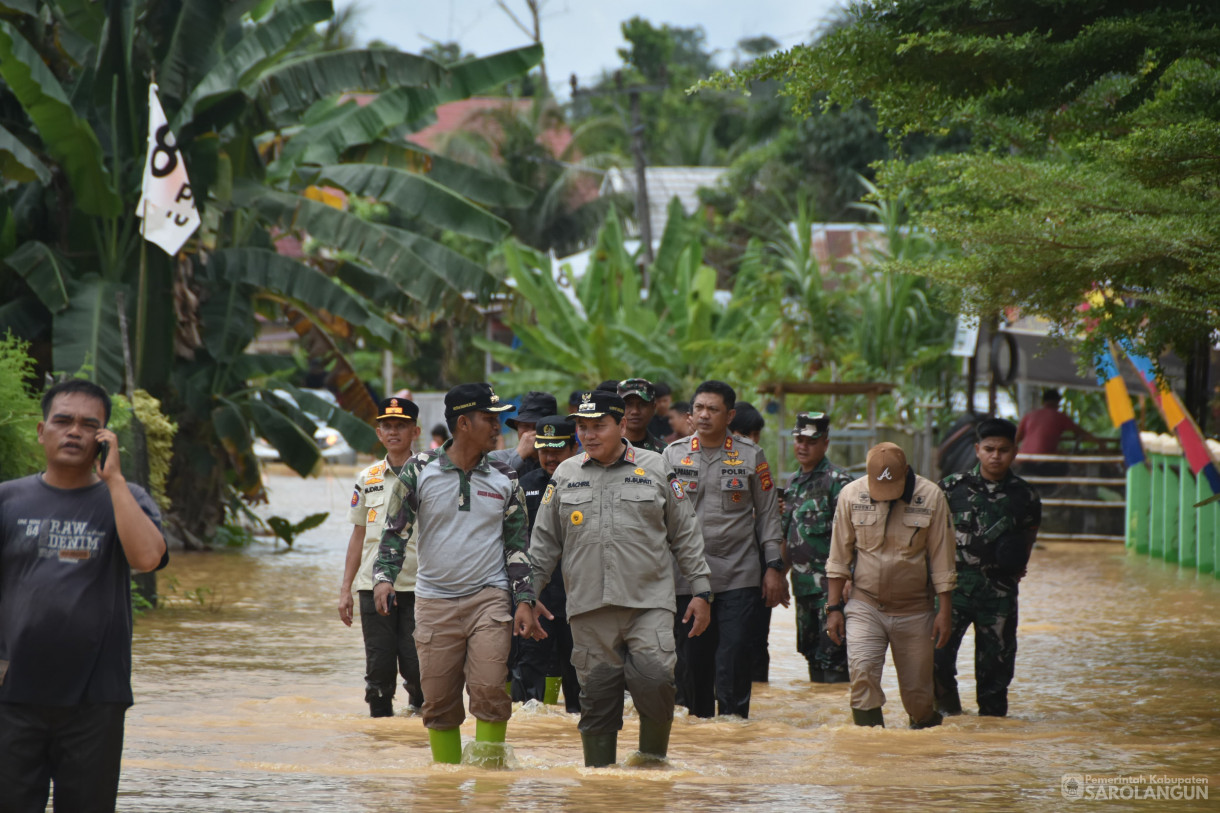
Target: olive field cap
column 473, row 398
column 554, row 432
column 812, row 425
column 887, row 471
column 397, row 407
column 534, row 406
column 639, row 387
column 597, row 403
column 996, row 428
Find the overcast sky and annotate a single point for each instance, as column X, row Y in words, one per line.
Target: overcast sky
column 581, row 36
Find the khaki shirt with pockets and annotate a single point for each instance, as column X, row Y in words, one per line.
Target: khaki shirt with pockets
column 898, row 555
column 737, row 505
column 618, row 528
column 368, row 509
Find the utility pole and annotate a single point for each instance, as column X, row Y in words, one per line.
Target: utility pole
column 636, row 131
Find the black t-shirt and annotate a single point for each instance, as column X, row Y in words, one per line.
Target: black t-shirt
column 65, row 595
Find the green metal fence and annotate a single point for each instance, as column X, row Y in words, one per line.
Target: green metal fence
column 1162, row 519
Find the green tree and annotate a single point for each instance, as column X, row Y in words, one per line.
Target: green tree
column 278, row 151
column 1093, row 173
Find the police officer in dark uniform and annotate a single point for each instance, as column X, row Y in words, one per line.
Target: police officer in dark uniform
column 542, row 666
column 996, row 516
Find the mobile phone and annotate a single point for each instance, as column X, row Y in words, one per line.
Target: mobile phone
column 389, row 602
column 103, row 449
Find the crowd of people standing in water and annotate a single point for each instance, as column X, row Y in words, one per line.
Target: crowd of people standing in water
column 602, row 554
column 592, row 559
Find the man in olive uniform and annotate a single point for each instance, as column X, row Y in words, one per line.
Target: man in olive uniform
column 543, row 665
column 729, row 482
column 620, row 520
column 523, row 458
column 639, row 399
column 996, row 516
column 809, row 509
column 389, row 643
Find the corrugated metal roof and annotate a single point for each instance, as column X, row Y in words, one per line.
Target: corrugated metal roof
column 664, row 184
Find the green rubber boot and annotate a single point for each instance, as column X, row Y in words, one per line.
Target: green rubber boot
column 934, row 720
column 654, row 738
column 551, row 696
column 446, row 745
column 599, row 749
column 490, row 732
column 868, row 717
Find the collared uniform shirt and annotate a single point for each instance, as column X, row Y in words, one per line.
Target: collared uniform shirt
column 470, row 528
column 982, row 511
column 618, row 528
column 737, row 506
column 807, row 520
column 898, row 555
column 368, row 509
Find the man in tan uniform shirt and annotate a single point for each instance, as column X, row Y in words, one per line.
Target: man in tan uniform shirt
column 893, row 538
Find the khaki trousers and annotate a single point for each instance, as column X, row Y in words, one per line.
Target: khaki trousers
column 909, row 637
column 616, row 648
column 464, row 642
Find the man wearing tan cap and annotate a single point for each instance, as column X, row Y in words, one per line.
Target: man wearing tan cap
column 893, row 538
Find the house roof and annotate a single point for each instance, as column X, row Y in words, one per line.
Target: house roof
column 467, row 114
column 664, row 184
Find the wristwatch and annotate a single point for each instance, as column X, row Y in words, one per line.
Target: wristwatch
column 835, row 608
column 776, row 564
column 706, row 595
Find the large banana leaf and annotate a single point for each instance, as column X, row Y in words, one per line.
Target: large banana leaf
column 471, row 182
column 24, row 317
column 87, row 335
column 296, row 448
column 380, row 247
column 66, row 137
column 476, row 75
column 238, row 69
column 416, row 197
column 228, row 320
column 194, row 46
column 17, row 163
column 235, row 437
column 274, row 272
column 293, row 87
column 45, row 271
column 356, row 432
column 322, row 142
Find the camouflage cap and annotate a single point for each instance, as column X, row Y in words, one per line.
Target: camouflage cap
column 812, row 425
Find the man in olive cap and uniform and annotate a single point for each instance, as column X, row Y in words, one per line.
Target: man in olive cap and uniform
column 389, row 642
column 809, row 511
column 620, row 519
column 523, row 458
column 892, row 537
column 472, row 551
column 639, row 401
column 996, row 516
column 542, row 666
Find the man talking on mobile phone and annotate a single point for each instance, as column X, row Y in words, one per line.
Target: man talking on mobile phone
column 70, row 538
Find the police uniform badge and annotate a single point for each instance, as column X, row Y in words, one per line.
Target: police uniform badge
column 686, row 461
column 550, row 493
column 677, row 487
column 356, row 497
column 577, row 517
column 640, row 471
column 764, row 476
column 372, row 515
column 736, row 496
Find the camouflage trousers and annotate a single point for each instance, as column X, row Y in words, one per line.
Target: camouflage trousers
column 993, row 613
column 812, row 641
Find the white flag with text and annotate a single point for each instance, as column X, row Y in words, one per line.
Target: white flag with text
column 167, row 204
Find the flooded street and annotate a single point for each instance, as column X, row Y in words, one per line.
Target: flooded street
column 249, row 697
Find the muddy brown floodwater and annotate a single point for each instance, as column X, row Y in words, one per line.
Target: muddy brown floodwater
column 249, row 697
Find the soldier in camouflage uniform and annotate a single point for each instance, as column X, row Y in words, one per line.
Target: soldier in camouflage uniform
column 809, row 508
column 996, row 516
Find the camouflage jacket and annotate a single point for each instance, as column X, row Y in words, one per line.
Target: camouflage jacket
column 809, row 509
column 995, row 525
column 470, row 527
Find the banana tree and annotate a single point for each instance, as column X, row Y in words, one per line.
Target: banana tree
column 279, row 136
